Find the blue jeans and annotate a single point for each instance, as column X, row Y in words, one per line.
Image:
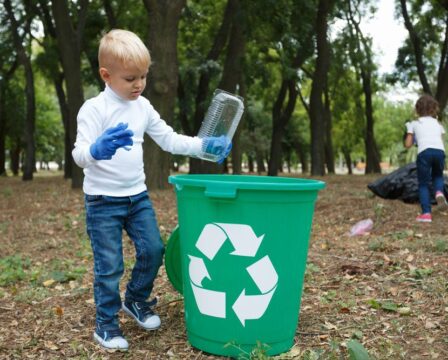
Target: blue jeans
column 430, row 165
column 106, row 217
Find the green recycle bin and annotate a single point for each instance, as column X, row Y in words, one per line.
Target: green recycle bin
column 238, row 256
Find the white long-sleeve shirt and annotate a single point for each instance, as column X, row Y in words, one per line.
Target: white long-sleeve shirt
column 123, row 175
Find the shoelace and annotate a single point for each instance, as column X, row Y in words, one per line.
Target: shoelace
column 110, row 334
column 146, row 308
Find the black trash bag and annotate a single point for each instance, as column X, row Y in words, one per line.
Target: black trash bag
column 401, row 184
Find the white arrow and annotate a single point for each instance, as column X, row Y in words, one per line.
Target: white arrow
column 243, row 239
column 211, row 303
column 263, row 273
column 197, row 270
column 251, row 307
column 211, row 239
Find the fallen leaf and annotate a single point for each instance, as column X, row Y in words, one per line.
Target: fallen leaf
column 328, row 325
column 430, row 325
column 50, row 345
column 48, row 283
column 405, row 310
column 59, row 311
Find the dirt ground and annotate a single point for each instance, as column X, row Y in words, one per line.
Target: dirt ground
column 387, row 290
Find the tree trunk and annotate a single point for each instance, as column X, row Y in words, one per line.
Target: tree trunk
column 2, row 130
column 65, row 115
column 259, row 157
column 219, row 43
column 233, row 75
column 317, row 110
column 15, row 157
column 30, row 121
column 231, row 78
column 372, row 153
column 417, row 46
column 329, row 153
column 348, row 161
column 280, row 118
column 442, row 75
column 164, row 19
column 69, row 44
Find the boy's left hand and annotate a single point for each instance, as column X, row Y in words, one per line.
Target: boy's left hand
column 220, row 146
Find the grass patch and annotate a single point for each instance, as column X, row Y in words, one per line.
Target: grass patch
column 12, row 269
column 441, row 246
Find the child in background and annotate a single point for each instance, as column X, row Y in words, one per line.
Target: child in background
column 428, row 132
column 108, row 146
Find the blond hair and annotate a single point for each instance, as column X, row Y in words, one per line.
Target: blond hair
column 123, row 46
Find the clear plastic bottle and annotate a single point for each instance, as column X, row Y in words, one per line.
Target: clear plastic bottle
column 222, row 119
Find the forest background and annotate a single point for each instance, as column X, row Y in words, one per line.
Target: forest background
column 316, row 104
column 315, row 100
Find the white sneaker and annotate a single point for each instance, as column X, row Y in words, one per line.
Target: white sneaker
column 142, row 313
column 442, row 204
column 111, row 339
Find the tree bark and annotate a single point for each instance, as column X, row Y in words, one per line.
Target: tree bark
column 329, row 153
column 30, row 121
column 280, row 118
column 233, row 75
column 65, row 115
column 317, row 110
column 69, row 44
column 372, row 153
column 164, row 19
column 417, row 45
column 2, row 130
column 365, row 70
column 15, row 157
column 442, row 75
column 58, row 81
column 6, row 75
column 236, row 43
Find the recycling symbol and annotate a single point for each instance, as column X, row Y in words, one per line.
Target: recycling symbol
column 262, row 272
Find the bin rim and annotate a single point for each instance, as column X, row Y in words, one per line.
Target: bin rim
column 251, row 182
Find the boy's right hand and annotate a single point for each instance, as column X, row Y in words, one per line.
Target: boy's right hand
column 112, row 139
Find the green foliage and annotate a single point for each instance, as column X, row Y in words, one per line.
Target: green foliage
column 12, row 269
column 357, row 351
column 49, row 128
column 257, row 353
column 441, row 246
column 429, row 21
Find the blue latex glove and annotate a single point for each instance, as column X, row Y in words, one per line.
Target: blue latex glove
column 112, row 139
column 220, row 146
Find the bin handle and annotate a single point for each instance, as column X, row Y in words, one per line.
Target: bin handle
column 220, row 192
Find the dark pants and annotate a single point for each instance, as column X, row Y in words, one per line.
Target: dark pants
column 430, row 165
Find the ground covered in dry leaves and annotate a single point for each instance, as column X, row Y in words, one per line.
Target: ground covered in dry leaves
column 388, row 290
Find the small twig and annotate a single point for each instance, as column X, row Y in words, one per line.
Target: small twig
column 368, row 258
column 340, row 257
column 169, row 302
column 310, row 333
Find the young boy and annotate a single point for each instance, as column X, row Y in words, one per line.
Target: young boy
column 427, row 132
column 109, row 148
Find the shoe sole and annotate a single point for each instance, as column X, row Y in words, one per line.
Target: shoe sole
column 424, row 221
column 101, row 342
column 129, row 312
column 441, row 203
